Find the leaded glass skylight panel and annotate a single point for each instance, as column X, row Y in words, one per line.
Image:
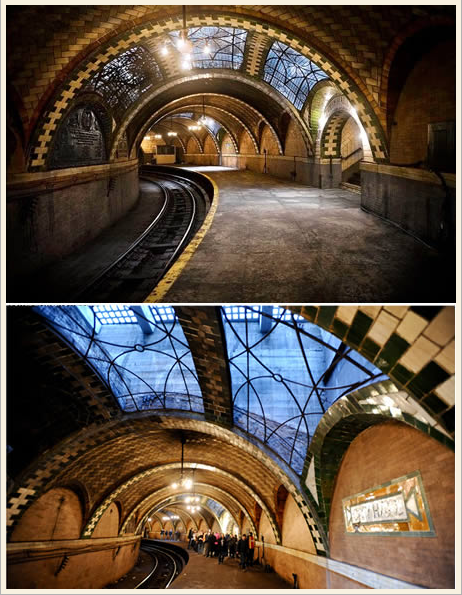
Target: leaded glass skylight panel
column 123, row 80
column 139, row 352
column 215, row 47
column 291, row 73
column 285, row 373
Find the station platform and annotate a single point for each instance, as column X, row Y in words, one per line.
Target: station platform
column 273, row 240
column 270, row 240
column 206, row 573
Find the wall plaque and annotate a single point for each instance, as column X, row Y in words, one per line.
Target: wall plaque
column 396, row 507
column 80, row 140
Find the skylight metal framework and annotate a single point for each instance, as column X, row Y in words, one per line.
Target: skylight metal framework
column 123, row 80
column 285, row 374
column 142, row 356
column 215, row 47
column 291, row 73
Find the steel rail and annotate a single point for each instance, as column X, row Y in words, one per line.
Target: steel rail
column 180, row 202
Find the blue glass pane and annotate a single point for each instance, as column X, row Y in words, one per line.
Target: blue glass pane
column 215, row 47
column 143, row 358
column 290, row 73
column 285, row 373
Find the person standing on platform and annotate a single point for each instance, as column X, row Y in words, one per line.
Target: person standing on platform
column 206, row 544
column 211, row 541
column 232, row 546
column 190, row 536
column 222, row 549
column 251, row 542
column 243, row 551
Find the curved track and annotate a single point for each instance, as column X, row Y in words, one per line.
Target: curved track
column 133, row 276
column 169, row 562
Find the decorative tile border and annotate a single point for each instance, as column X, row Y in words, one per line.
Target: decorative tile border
column 89, row 67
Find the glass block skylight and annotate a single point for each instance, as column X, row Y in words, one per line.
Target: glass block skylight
column 139, row 352
column 291, row 73
column 285, row 373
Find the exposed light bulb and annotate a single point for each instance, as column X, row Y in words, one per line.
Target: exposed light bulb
column 180, row 44
column 164, row 51
column 186, row 65
column 174, row 484
column 188, row 483
column 207, row 49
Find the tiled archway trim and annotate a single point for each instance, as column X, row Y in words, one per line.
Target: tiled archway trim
column 171, row 503
column 90, row 526
column 37, row 481
column 351, row 415
column 413, row 345
column 331, row 138
column 90, row 66
column 155, row 115
column 156, row 500
column 204, row 76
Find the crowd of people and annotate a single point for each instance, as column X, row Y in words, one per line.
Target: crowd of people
column 220, row 546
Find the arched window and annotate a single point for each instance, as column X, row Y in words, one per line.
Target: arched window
column 215, row 47
column 139, row 352
column 123, row 80
column 290, row 73
column 285, row 373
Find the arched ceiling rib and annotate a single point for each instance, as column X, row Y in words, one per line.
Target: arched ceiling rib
column 244, row 99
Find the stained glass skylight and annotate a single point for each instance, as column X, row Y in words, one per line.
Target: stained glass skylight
column 215, row 47
column 291, row 73
column 285, row 374
column 139, row 352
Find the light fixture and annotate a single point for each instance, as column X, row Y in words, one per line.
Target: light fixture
column 203, row 119
column 147, row 138
column 157, row 136
column 184, row 482
column 171, row 132
column 195, row 127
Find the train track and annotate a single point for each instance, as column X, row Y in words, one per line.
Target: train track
column 169, row 562
column 133, row 276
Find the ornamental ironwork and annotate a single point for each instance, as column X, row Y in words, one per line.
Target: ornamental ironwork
column 285, row 373
column 123, row 80
column 215, row 47
column 139, row 352
column 291, row 73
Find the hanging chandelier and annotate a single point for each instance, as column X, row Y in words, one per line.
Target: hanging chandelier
column 203, row 119
column 192, row 507
column 171, row 132
column 184, row 46
column 183, row 481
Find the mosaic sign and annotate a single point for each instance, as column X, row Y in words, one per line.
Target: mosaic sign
column 399, row 506
column 80, row 140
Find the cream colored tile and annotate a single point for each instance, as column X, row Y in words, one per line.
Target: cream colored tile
column 398, row 311
column 447, row 391
column 346, row 313
column 442, row 329
column 411, row 327
column 419, row 354
column 447, row 358
column 371, row 311
column 383, row 328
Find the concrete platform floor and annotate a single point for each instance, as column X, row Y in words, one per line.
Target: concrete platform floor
column 205, row 573
column 276, row 241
